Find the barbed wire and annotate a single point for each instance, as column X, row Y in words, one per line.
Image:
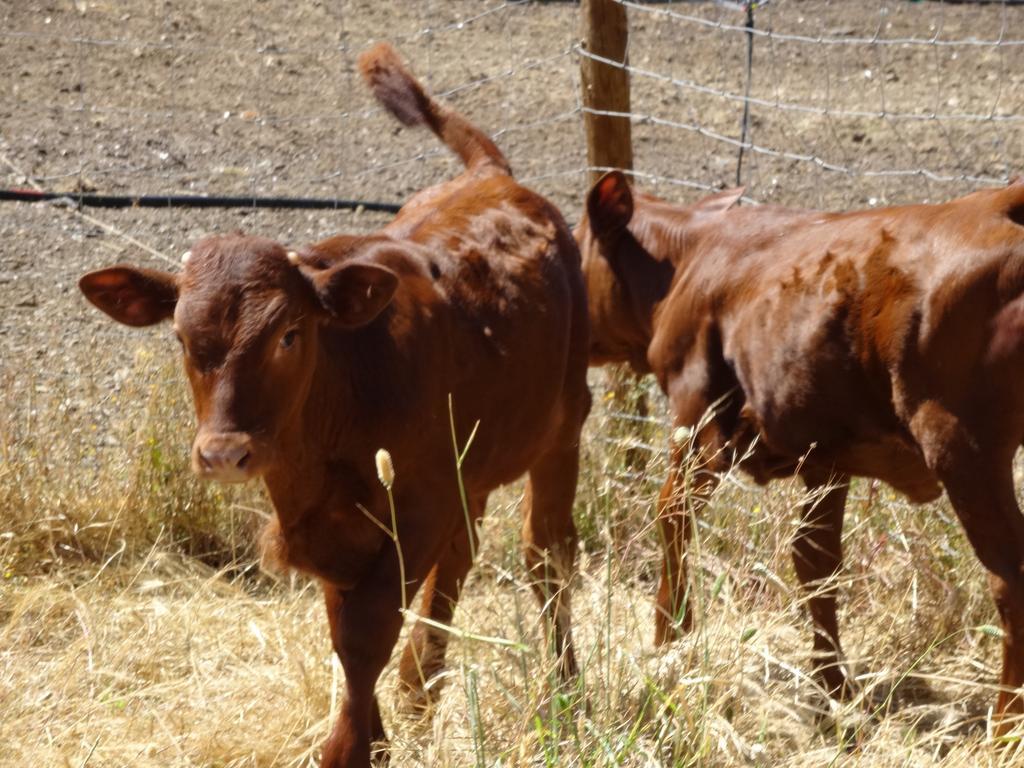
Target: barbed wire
column 813, row 159
column 792, row 107
column 874, row 40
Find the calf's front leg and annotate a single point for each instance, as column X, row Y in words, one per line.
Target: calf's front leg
column 423, row 658
column 365, row 623
column 692, row 480
column 363, row 642
column 549, row 546
column 818, row 558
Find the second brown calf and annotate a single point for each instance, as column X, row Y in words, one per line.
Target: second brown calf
column 885, row 343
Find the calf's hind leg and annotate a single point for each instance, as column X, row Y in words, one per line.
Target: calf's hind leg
column 985, row 503
column 549, row 545
column 979, row 483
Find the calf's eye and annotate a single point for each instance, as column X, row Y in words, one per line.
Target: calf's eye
column 289, row 338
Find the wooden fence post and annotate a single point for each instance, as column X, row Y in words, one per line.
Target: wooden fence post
column 605, row 33
column 605, row 87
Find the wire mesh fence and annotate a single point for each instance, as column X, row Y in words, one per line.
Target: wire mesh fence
column 821, row 103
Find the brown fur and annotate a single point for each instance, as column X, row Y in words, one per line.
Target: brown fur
column 303, row 367
column 884, row 343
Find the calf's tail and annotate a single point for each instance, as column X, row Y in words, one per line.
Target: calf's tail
column 400, row 93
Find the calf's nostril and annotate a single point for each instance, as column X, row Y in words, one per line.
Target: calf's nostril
column 224, row 456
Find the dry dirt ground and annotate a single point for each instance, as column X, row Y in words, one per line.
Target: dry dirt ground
column 858, row 104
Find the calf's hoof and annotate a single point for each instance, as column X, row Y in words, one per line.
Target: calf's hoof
column 667, row 629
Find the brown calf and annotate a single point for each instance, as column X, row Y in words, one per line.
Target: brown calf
column 303, row 365
column 885, row 343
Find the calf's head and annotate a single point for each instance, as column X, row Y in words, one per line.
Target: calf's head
column 247, row 315
column 631, row 246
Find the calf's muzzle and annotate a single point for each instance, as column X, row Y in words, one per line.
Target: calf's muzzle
column 226, row 457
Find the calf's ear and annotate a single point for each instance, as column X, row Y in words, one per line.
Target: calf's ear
column 355, row 292
column 720, row 201
column 132, row 295
column 610, row 204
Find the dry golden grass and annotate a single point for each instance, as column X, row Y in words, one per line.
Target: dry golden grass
column 135, row 631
